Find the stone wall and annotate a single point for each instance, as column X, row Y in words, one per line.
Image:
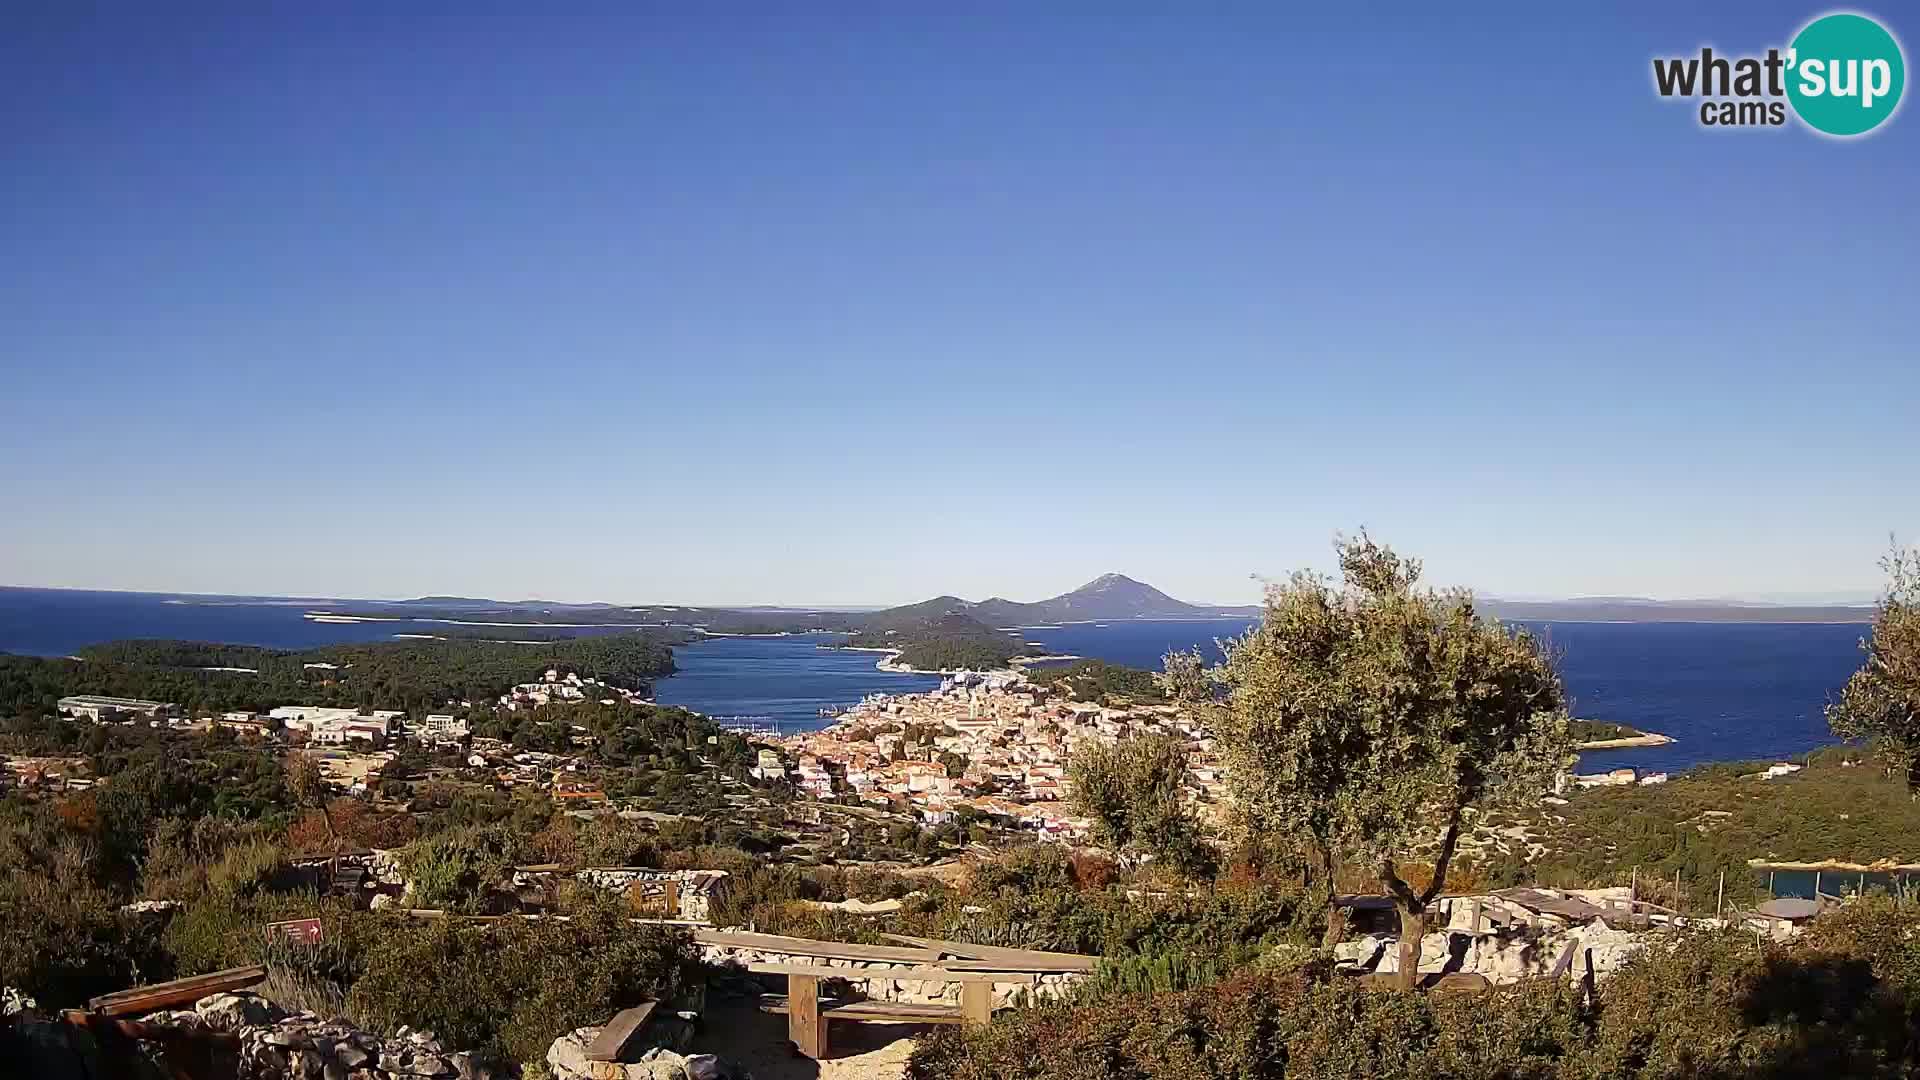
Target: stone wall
column 869, row 978
column 243, row 1036
column 275, row 1045
column 1503, row 959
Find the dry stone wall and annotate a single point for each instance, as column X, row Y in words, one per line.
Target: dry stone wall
column 869, row 978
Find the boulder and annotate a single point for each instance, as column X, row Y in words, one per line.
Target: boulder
column 567, row 1060
column 230, row 1012
column 15, row 1002
column 567, row 1057
column 663, row 1064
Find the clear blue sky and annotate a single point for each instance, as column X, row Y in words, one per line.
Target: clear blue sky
column 864, row 308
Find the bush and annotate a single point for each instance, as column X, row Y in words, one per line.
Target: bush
column 226, row 929
column 63, row 941
column 463, row 869
column 1730, row 1004
column 512, row 986
column 1702, row 1006
column 608, row 840
column 1259, row 1025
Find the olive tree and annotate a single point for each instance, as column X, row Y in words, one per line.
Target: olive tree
column 1185, row 678
column 1371, row 716
column 1881, row 701
column 1131, row 790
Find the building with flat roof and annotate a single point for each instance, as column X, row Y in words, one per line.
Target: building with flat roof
column 441, row 728
column 100, row 709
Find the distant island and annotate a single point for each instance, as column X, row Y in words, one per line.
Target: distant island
column 1639, row 610
column 1602, row 735
column 948, row 633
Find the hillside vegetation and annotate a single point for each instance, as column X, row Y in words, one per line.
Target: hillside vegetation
column 398, row 674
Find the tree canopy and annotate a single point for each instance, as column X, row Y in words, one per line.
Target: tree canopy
column 1882, row 699
column 1371, row 716
column 1131, row 790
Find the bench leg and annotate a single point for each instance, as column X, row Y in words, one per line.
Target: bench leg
column 976, row 1002
column 806, row 1026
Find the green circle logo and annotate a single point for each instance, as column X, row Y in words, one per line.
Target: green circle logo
column 1845, row 74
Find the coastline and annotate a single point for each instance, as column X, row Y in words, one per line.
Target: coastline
column 1017, row 664
column 1645, row 738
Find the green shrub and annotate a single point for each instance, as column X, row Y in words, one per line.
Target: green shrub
column 226, row 929
column 608, row 840
column 61, row 940
column 1731, row 1004
column 463, row 869
column 1156, row 973
column 513, row 985
column 1698, row 1006
column 1266, row 1026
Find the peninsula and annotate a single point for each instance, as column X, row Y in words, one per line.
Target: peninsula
column 1600, row 735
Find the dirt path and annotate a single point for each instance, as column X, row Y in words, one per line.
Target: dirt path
column 861, row 1051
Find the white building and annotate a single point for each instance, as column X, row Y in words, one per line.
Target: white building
column 336, row 727
column 100, row 709
column 441, row 728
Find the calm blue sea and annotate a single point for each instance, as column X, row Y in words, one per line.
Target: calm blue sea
column 1725, row 691
column 778, row 680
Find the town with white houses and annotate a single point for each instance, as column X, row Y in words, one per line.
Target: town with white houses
column 352, row 744
column 990, row 743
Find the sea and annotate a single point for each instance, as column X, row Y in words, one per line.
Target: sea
column 1723, row 691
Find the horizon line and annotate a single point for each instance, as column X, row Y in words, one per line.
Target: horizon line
column 1854, row 599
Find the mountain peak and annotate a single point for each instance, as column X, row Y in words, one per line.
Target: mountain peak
column 1116, row 596
column 1109, row 596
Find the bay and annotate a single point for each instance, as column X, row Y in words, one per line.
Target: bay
column 1725, row 691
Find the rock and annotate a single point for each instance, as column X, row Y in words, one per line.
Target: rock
column 660, row 1063
column 567, row 1057
column 1369, row 952
column 418, row 1063
column 267, row 1060
column 470, row 1069
column 305, row 1065
column 229, row 1012
column 16, row 1003
column 667, row 1065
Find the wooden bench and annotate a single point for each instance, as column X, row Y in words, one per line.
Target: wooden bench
column 807, row 1012
column 167, row 995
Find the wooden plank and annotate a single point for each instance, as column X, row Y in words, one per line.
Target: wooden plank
column 1461, row 982
column 1011, row 959
column 961, row 949
column 1565, row 964
column 833, row 950
column 891, row 1011
column 613, row 1041
column 1567, row 907
column 976, row 1002
column 146, row 999
column 805, row 1025
column 911, row 974
column 1029, row 967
